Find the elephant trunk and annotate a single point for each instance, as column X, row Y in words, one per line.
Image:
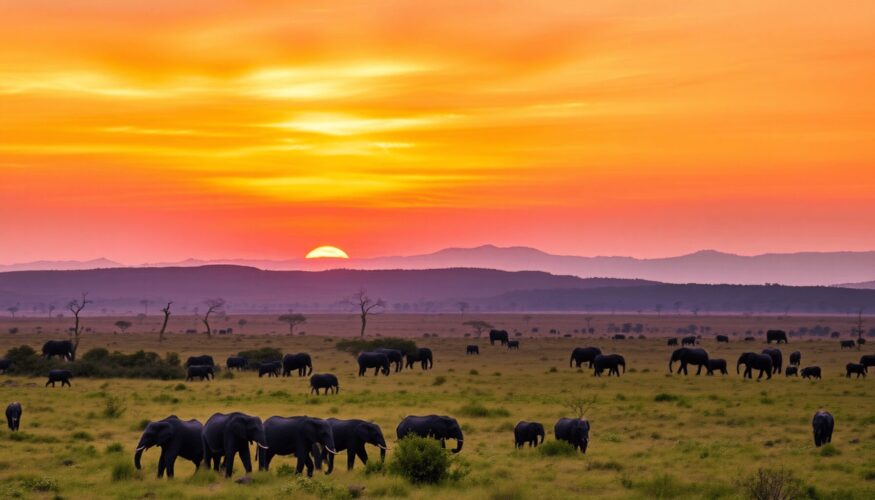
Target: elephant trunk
column 137, row 456
column 458, row 447
column 670, row 363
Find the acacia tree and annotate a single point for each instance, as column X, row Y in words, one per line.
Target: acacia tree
column 213, row 305
column 166, row 311
column 463, row 306
column 12, row 310
column 76, row 307
column 478, row 326
column 366, row 306
column 293, row 320
column 123, row 325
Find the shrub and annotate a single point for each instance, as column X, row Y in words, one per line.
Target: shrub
column 122, row 471
column 355, row 346
column 263, row 355
column 665, row 486
column 420, row 460
column 82, row 436
column 40, row 484
column 828, row 450
column 556, row 449
column 439, row 380
column 96, row 363
column 479, row 411
column 113, row 407
column 285, row 470
column 115, row 448
column 664, row 396
column 769, row 484
column 374, row 467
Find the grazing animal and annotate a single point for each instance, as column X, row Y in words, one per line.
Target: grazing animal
column 688, row 356
column 718, row 365
column 835, row 335
column 327, row 381
column 203, row 360
column 753, row 361
column 619, row 336
column 299, row 436
column 610, row 361
column 749, row 339
column 472, row 349
column 672, row 341
column 227, row 435
column 574, row 431
column 777, row 359
column 423, row 355
column 582, row 355
column 352, row 436
column 201, row 371
column 811, row 372
column 848, row 344
column 376, row 360
column 269, row 368
column 300, row 361
column 822, row 424
column 5, row 364
column 62, row 348
column 13, row 415
column 528, row 433
column 722, row 339
column 62, row 376
column 513, row 344
column 857, row 368
column 498, row 335
column 432, row 426
column 395, row 356
column 791, row 371
column 868, row 360
column 795, row 358
column 777, row 336
column 237, row 362
column 691, row 340
column 176, row 438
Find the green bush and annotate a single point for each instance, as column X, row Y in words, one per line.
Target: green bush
column 122, row 471
column 355, row 346
column 262, row 355
column 767, row 484
column 439, row 380
column 420, row 460
column 828, row 450
column 40, row 484
column 664, row 396
column 97, row 362
column 115, row 448
column 113, row 407
column 479, row 411
column 556, row 449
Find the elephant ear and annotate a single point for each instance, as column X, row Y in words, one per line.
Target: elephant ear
column 163, row 432
column 363, row 432
column 237, row 429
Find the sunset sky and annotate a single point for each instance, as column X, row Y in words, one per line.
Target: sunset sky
column 157, row 130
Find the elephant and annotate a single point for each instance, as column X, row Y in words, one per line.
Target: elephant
column 672, row 341
column 811, row 372
column 327, row 381
column 749, row 339
column 238, row 362
column 513, row 344
column 848, row 344
column 717, row 365
column 867, row 360
column 176, row 438
column 352, row 436
column 300, row 436
column 269, row 368
column 499, row 335
column 63, row 348
column 226, row 435
column 5, row 364
column 795, row 358
column 722, row 339
column 300, row 361
column 610, row 361
column 574, row 431
column 395, row 356
column 472, row 349
column 691, row 340
column 202, row 371
column 777, row 336
column 432, row 426
column 380, row 363
column 688, row 356
column 777, row 359
column 62, row 376
column 822, row 424
column 13, row 416
column 582, row 355
column 203, row 360
column 753, row 361
column 423, row 355
column 791, row 371
column 618, row 336
column 857, row 368
column 528, row 432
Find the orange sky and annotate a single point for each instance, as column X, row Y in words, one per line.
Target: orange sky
column 148, row 131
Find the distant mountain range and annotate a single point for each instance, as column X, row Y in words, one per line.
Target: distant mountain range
column 707, row 266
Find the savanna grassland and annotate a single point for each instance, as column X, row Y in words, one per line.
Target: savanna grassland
column 653, row 434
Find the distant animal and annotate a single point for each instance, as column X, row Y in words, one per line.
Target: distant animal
column 672, row 341
column 687, row 356
column 582, row 355
column 498, row 336
column 811, row 372
column 848, row 344
column 327, row 381
column 868, row 360
column 13, row 416
column 432, row 426
column 269, row 368
column 717, row 365
column 856, row 368
column 611, row 362
column 795, row 358
column 690, row 340
column 203, row 360
column 227, row 435
column 753, row 361
column 528, row 433
column 62, row 376
column 352, row 436
column 749, row 339
column 5, row 364
column 395, row 356
column 574, row 431
column 619, row 336
column 835, row 335
column 176, row 438
column 722, row 339
column 201, row 371
column 376, row 360
column 822, row 425
column 791, row 371
column 472, row 349
column 237, row 362
column 513, row 344
column 300, row 361
column 777, row 336
column 777, row 359
column 62, row 348
column 423, row 355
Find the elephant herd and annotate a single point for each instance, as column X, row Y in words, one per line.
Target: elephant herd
column 597, row 361
column 574, row 431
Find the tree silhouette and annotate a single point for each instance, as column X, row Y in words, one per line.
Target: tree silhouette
column 213, row 306
column 12, row 310
column 293, row 320
column 122, row 325
column 478, row 326
column 463, row 306
column 366, row 306
column 166, row 311
column 76, row 307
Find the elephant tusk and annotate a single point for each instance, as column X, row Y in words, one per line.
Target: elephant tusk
column 141, row 448
column 382, row 447
column 331, row 451
column 263, row 447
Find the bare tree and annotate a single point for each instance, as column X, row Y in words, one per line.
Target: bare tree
column 588, row 320
column 527, row 318
column 146, row 303
column 12, row 310
column 51, row 308
column 76, row 306
column 293, row 320
column 166, row 311
column 366, row 306
column 463, row 306
column 213, row 306
column 580, row 405
column 241, row 323
column 859, row 329
column 478, row 326
column 658, row 309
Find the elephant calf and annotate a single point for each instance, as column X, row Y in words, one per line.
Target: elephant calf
column 672, row 341
column 528, row 433
column 271, row 369
column 62, row 376
column 176, row 438
column 848, row 344
column 822, row 425
column 13, row 415
column 791, row 371
column 513, row 344
column 327, row 381
column 857, row 368
column 811, row 372
column 574, row 431
column 717, row 365
column 204, row 372
column 237, row 362
column 472, row 349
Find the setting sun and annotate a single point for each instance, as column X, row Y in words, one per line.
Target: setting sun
column 327, row 252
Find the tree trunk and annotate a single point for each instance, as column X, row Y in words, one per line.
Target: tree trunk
column 163, row 328
column 207, row 324
column 364, row 323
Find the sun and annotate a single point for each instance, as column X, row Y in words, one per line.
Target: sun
column 327, row 252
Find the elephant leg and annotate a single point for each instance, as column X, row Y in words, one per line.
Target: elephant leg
column 49, row 382
column 162, row 463
column 363, row 456
column 443, row 443
column 350, row 458
column 699, row 371
column 67, row 383
column 171, row 462
column 229, row 461
column 245, row 458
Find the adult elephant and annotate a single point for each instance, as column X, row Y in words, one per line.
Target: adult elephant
column 201, row 371
column 777, row 359
column 795, row 358
column 498, row 336
column 5, row 364
column 574, row 431
column 848, row 344
column 202, row 360
column 776, row 336
column 376, row 360
column 352, row 436
column 472, row 349
column 672, row 341
column 299, row 436
column 691, row 340
column 176, row 438
column 717, row 365
column 811, row 372
column 238, row 362
column 689, row 356
column 423, row 355
column 722, row 339
column 61, row 348
column 582, row 355
column 432, row 426
column 753, row 361
column 226, row 435
column 822, row 424
column 856, row 368
column 395, row 356
column 13, row 416
column 610, row 362
column 62, row 376
column 327, row 381
column 300, row 361
column 868, row 360
column 269, row 368
column 528, row 433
